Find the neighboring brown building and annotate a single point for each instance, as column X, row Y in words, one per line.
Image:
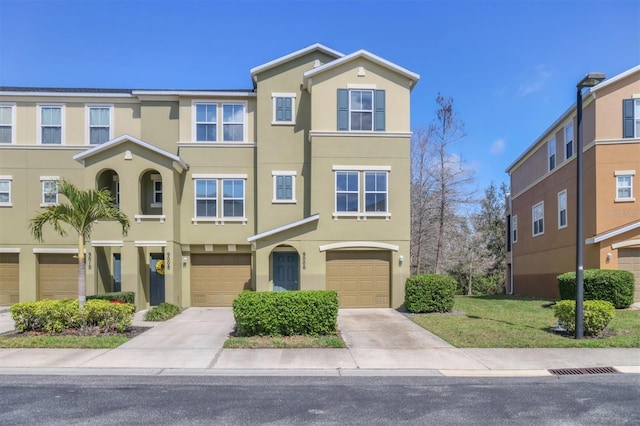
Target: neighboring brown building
column 542, row 204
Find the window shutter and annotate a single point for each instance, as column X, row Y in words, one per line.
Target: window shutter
column 343, row 109
column 627, row 118
column 379, row 111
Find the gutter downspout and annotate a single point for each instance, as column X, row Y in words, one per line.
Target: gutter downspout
column 510, row 236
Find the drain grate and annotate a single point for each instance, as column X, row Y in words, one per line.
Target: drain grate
column 579, row 371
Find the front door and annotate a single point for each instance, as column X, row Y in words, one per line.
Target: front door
column 285, row 271
column 156, row 279
column 117, row 273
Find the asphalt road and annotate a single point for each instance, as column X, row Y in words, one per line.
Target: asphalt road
column 106, row 400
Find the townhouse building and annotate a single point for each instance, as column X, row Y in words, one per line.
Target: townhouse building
column 542, row 205
column 298, row 182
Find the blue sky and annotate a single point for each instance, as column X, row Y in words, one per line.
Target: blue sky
column 510, row 66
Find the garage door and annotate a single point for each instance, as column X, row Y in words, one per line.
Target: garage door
column 629, row 260
column 8, row 278
column 57, row 276
column 361, row 278
column 217, row 279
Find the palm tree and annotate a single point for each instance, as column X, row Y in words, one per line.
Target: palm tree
column 81, row 213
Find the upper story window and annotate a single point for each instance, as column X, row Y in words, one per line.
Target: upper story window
column 551, row 146
column 5, row 191
column 100, row 119
column 219, row 197
column 156, row 196
column 624, row 185
column 7, row 124
column 631, row 118
column 284, row 187
column 232, row 115
column 233, row 198
column 562, row 209
column 49, row 190
column 514, row 229
column 361, row 193
column 284, row 106
column 568, row 141
column 375, row 191
column 51, row 118
column 361, row 110
column 206, row 197
column 537, row 215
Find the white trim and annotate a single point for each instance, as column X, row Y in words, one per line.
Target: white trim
column 619, row 175
column 276, row 95
column 43, row 147
column 9, row 250
column 66, row 94
column 62, row 107
column 284, row 227
column 275, row 174
column 615, row 78
column 219, row 176
column 614, row 233
column 219, row 119
column 362, row 86
column 140, row 217
column 42, row 178
column 359, row 244
column 337, row 168
column 148, row 243
column 217, row 144
column 45, row 250
column 533, row 220
column 11, row 105
column 10, row 179
column 218, row 93
column 298, row 53
column 549, row 153
column 566, row 141
column 514, row 229
column 356, row 133
column 625, row 244
column 107, row 243
column 624, row 173
column 283, row 95
column 566, row 209
column 87, row 130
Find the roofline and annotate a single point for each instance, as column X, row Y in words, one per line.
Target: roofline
column 614, row 233
column 284, row 227
column 615, row 78
column 317, row 46
column 230, row 93
column 363, row 53
column 24, row 91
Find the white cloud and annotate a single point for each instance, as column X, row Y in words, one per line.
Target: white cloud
column 536, row 83
column 498, row 146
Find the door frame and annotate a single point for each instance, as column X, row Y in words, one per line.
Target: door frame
column 157, row 290
column 296, row 262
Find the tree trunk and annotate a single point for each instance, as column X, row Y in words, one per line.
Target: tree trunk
column 82, row 273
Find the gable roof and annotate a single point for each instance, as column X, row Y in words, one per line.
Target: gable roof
column 273, row 231
column 613, row 233
column 298, row 53
column 615, row 78
column 413, row 77
column 178, row 163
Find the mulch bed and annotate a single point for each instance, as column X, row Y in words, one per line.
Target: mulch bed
column 85, row 331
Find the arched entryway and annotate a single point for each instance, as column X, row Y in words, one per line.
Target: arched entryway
column 286, row 269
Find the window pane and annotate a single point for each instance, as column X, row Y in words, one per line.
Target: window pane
column 233, row 113
column 376, row 202
column 4, row 197
column 356, row 99
column 4, row 186
column 5, row 134
column 233, row 132
column 367, row 100
column 233, row 208
column 206, row 208
column 51, row 135
column 98, row 135
column 5, row 116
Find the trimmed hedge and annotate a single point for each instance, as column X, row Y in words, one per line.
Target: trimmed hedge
column 615, row 286
column 597, row 315
column 429, row 293
column 286, row 313
column 162, row 312
column 122, row 296
column 55, row 316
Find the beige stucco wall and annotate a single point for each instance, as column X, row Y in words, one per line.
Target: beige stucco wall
column 609, row 106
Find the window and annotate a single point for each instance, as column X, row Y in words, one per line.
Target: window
column 117, row 197
column 631, row 118
column 5, row 191
column 233, row 122
column 514, row 229
column 562, row 209
column 233, row 198
column 7, row 127
column 206, row 197
column 283, row 108
column 538, row 219
column 51, row 124
column 361, row 110
column 100, row 124
column 219, row 198
column 284, row 187
column 568, row 141
column 49, row 190
column 156, row 187
column 372, row 184
column 551, row 145
column 206, row 122
column 624, row 185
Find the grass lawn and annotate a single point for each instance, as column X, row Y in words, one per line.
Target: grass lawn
column 513, row 322
column 254, row 342
column 75, row 342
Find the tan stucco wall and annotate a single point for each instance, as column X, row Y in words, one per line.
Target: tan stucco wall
column 609, row 106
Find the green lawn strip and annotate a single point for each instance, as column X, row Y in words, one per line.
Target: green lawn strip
column 58, row 342
column 280, row 342
column 510, row 322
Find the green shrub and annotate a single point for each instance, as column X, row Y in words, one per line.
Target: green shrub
column 597, row 314
column 122, row 296
column 429, row 293
column 108, row 316
column 286, row 313
column 162, row 312
column 617, row 287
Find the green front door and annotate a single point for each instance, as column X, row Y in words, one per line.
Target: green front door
column 156, row 279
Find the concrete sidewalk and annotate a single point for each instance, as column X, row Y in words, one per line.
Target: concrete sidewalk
column 380, row 342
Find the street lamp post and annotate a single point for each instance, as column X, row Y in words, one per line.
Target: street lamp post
column 589, row 80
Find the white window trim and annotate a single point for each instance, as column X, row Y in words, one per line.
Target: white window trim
column 219, row 121
column 533, row 219
column 566, row 209
column 293, row 175
column 360, row 214
column 219, row 219
column 620, row 173
column 245, row 121
column 550, row 143
column 87, row 134
column 11, row 105
column 373, row 109
column 197, row 218
column 194, row 121
column 10, row 179
column 566, row 141
column 293, row 108
column 156, row 178
column 62, row 123
column 514, row 229
column 48, row 179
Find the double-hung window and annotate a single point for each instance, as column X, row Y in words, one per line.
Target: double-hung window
column 375, row 192
column 206, row 197
column 219, row 198
column 284, row 105
column 232, row 116
column 233, row 198
column 347, row 192
column 361, row 192
column 206, row 122
column 284, row 186
column 514, row 229
column 631, row 118
column 233, row 122
column 562, row 209
column 100, row 128
column 568, row 141
column 551, row 146
column 361, row 109
column 5, row 191
column 7, row 125
column 537, row 214
column 49, row 190
column 51, row 117
column 624, row 185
